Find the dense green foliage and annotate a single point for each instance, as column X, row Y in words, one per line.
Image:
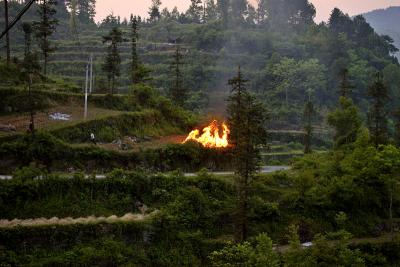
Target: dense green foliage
column 45, row 149
column 346, row 121
column 292, row 65
column 196, row 216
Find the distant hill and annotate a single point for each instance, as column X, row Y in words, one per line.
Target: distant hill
column 386, row 21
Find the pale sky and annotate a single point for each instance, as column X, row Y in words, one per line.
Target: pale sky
column 124, row 8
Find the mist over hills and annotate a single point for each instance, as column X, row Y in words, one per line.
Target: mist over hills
column 386, row 21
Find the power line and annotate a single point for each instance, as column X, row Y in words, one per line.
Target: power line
column 17, row 18
column 7, row 34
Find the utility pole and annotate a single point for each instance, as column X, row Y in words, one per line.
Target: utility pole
column 32, row 119
column 93, row 81
column 86, row 92
column 7, row 33
column 91, row 74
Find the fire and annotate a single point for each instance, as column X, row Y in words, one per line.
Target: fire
column 210, row 136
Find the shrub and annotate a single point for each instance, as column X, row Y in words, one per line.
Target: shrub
column 29, row 173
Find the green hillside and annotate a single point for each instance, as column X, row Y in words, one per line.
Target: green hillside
column 226, row 135
column 283, row 61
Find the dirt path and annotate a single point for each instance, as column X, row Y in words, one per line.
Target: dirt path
column 43, row 121
column 129, row 217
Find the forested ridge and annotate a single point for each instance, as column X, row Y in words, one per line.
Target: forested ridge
column 384, row 21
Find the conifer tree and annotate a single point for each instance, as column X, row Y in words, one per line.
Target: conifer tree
column 44, row 28
column 308, row 128
column 177, row 92
column 238, row 10
column 397, row 127
column 112, row 60
column 346, row 122
column 247, row 119
column 73, row 16
column 346, row 119
column 345, row 86
column 165, row 14
column 211, row 11
column 154, row 11
column 194, row 11
column 135, row 58
column 377, row 116
column 30, row 63
column 339, row 22
column 139, row 73
column 87, row 11
column 223, row 10
column 175, row 14
column 261, row 11
column 30, row 66
column 251, row 16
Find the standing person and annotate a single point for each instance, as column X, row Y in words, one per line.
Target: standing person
column 30, row 128
column 93, row 138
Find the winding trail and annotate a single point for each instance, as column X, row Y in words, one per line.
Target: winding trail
column 263, row 170
column 129, row 217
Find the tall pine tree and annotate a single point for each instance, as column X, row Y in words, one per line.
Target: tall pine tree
column 345, row 86
column 346, row 119
column 44, row 28
column 346, row 122
column 377, row 117
column 112, row 60
column 177, row 91
column 195, row 11
column 73, row 18
column 87, row 11
column 247, row 118
column 211, row 11
column 238, row 10
column 308, row 128
column 134, row 39
column 154, row 11
column 223, row 10
column 261, row 11
column 396, row 115
column 139, row 73
column 30, row 67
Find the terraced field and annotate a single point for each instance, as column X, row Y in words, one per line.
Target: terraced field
column 43, row 120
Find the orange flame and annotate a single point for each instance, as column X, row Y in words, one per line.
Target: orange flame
column 210, row 137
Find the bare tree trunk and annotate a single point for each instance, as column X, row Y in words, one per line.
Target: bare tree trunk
column 8, row 32
column 32, row 119
column 45, row 43
column 241, row 216
column 45, row 68
column 286, row 97
column 112, row 86
column 391, row 214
